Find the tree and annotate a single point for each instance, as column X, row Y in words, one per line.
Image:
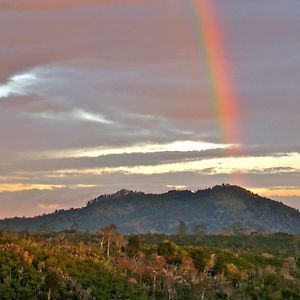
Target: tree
column 140, row 266
column 133, row 246
column 156, row 267
column 199, row 229
column 170, row 252
column 182, row 229
column 107, row 235
column 219, row 267
column 200, row 258
column 51, row 282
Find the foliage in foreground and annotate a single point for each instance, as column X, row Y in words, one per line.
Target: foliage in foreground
column 108, row 265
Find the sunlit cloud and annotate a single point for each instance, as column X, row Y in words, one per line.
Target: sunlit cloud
column 50, row 206
column 14, row 187
column 18, row 84
column 176, row 186
column 90, row 117
column 281, row 191
column 227, row 165
column 83, row 186
column 179, row 146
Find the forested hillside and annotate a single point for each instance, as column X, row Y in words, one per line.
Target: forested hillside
column 223, row 208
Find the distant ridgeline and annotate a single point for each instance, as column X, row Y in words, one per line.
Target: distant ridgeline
column 224, row 209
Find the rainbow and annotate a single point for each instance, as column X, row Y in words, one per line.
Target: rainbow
column 210, row 46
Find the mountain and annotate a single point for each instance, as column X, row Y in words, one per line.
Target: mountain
column 222, row 208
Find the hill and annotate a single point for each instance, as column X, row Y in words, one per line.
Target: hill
column 223, row 208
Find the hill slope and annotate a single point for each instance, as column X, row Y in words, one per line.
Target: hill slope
column 216, row 208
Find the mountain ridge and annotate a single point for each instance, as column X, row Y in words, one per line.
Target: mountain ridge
column 215, row 208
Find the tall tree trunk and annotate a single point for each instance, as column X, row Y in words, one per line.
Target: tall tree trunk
column 108, row 245
column 140, row 281
column 154, row 282
column 101, row 245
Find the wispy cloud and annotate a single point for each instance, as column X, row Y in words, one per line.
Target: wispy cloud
column 13, row 187
column 53, row 4
column 278, row 191
column 48, row 206
column 17, row 85
column 74, row 115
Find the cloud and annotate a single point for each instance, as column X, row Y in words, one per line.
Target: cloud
column 17, row 85
column 33, row 202
column 19, row 102
column 48, row 206
column 176, row 187
column 278, row 191
column 74, row 115
column 175, row 146
column 54, row 4
column 14, row 187
column 130, row 160
column 235, row 168
column 224, row 165
column 36, row 164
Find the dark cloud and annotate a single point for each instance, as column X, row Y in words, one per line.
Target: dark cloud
column 130, row 160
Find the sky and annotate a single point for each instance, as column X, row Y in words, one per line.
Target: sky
column 101, row 95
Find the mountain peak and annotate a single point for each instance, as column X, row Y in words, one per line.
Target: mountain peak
column 124, row 192
column 228, row 188
column 215, row 208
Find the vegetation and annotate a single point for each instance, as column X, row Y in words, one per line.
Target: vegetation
column 108, row 265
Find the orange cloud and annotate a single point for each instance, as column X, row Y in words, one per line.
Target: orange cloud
column 15, row 187
column 278, row 191
column 48, row 206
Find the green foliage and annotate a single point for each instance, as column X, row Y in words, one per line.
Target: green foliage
column 200, row 257
column 219, row 266
column 70, row 265
column 170, row 252
column 134, row 245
